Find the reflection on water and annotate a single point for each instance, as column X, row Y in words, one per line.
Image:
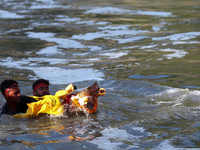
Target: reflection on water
column 137, row 76
column 142, row 52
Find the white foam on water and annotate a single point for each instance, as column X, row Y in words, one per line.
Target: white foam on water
column 105, row 10
column 7, row 14
column 10, row 62
column 65, row 76
column 37, row 24
column 113, row 55
column 67, row 19
column 92, row 59
column 138, row 63
column 164, row 44
column 179, row 36
column 17, row 6
column 156, row 13
column 130, row 47
column 115, row 27
column 46, row 1
column 12, row 30
column 149, row 46
column 179, row 97
column 49, row 50
column 87, row 22
column 46, row 4
column 131, row 39
column 185, row 42
column 92, row 22
column 176, row 53
column 55, row 75
column 197, row 93
column 108, row 32
column 81, row 54
column 112, row 50
column 112, row 32
column 165, row 145
column 102, row 23
column 172, row 94
column 112, row 138
column 156, row 28
column 62, row 42
column 140, row 129
column 115, row 10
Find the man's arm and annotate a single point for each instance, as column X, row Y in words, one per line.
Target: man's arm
column 27, row 99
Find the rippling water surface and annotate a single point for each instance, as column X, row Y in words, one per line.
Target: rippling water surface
column 144, row 53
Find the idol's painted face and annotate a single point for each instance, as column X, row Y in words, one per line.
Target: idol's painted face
column 41, row 90
column 13, row 95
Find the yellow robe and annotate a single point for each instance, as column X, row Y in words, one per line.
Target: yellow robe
column 49, row 104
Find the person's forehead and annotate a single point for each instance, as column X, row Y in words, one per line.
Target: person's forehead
column 15, row 88
column 43, row 85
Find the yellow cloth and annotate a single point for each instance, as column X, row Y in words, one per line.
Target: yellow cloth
column 46, row 104
column 63, row 93
column 49, row 104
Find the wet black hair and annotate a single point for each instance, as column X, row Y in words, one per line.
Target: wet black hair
column 6, row 84
column 40, row 81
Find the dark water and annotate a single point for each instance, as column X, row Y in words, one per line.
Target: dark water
column 144, row 53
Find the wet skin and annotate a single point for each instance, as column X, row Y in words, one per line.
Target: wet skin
column 13, row 98
column 42, row 90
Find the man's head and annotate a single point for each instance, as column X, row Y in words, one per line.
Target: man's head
column 11, row 91
column 41, row 87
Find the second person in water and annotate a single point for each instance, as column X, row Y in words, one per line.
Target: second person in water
column 41, row 87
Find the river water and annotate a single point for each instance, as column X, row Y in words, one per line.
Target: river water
column 144, row 53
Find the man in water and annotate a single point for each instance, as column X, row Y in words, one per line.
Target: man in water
column 15, row 102
column 41, row 87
